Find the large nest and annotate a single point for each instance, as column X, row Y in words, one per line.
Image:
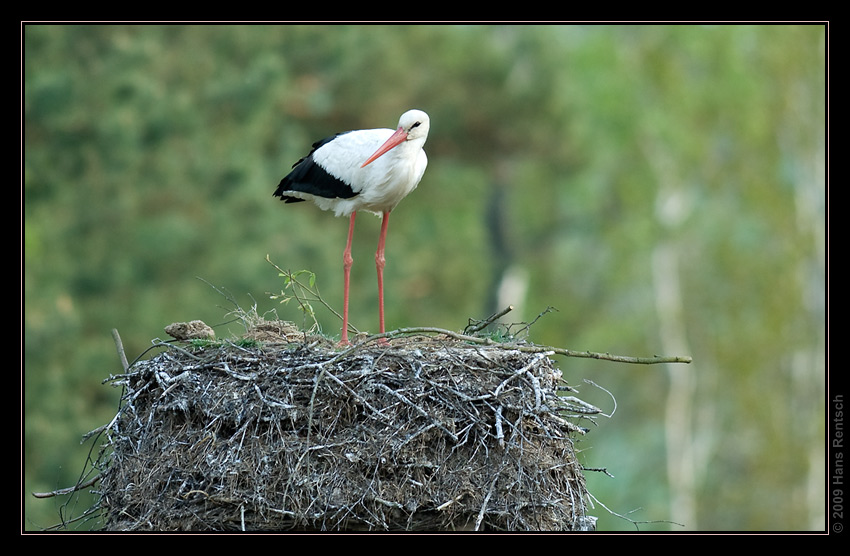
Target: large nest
column 426, row 433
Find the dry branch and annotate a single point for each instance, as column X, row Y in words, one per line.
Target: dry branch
column 532, row 348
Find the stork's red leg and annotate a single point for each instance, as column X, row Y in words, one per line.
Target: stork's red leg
column 347, row 261
column 380, row 262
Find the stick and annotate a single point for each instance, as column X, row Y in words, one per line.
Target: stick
column 480, row 517
column 480, row 325
column 68, row 490
column 119, row 345
column 533, row 348
column 500, row 434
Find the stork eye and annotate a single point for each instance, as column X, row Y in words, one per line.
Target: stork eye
column 415, row 125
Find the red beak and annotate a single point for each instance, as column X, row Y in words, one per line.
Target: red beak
column 397, row 138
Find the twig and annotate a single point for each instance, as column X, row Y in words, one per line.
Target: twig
column 531, row 348
column 480, row 517
column 598, row 469
column 119, row 345
column 500, row 434
column 632, row 521
column 537, row 318
column 607, row 392
column 68, row 490
column 481, row 325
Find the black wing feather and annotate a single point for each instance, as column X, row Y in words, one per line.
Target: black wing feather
column 308, row 177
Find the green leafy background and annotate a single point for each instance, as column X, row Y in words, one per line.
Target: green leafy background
column 661, row 186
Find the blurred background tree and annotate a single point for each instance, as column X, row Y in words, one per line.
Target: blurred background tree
column 662, row 187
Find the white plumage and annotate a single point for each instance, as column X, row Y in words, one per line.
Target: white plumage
column 371, row 170
column 377, row 187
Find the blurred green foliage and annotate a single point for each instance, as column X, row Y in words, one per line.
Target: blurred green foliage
column 584, row 156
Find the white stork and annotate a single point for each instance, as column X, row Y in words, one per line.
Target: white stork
column 371, row 170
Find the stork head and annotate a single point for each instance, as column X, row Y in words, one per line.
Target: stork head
column 412, row 126
column 416, row 124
